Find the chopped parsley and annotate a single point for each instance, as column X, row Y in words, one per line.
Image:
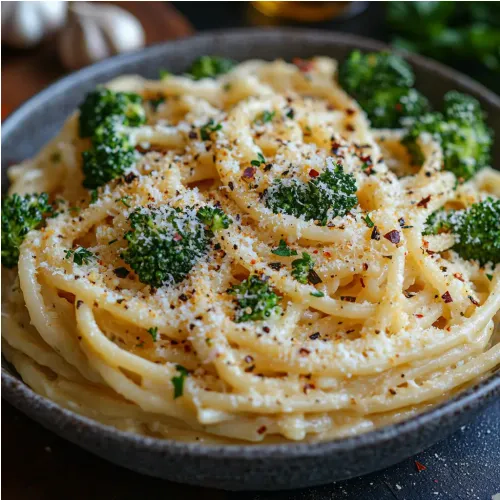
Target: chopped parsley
column 208, row 129
column 178, row 381
column 283, row 250
column 80, row 256
column 153, row 332
column 265, row 117
column 258, row 162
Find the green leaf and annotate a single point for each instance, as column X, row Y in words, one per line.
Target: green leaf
column 178, row 381
column 317, row 293
column 153, row 332
column 208, row 128
column 368, row 221
column 80, row 256
column 265, row 117
column 283, row 250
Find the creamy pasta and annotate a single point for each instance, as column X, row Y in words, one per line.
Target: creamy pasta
column 393, row 322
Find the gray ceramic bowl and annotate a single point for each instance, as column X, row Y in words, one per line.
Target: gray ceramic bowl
column 237, row 467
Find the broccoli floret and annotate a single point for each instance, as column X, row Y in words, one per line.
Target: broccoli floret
column 362, row 75
column 210, row 67
column 255, row 299
column 476, row 230
column 381, row 82
column 391, row 108
column 329, row 195
column 21, row 214
column 213, row 218
column 103, row 103
column 109, row 157
column 165, row 243
column 462, row 132
column 438, row 222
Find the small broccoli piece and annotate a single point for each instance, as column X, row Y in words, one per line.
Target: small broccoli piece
column 110, row 155
column 103, row 103
column 20, row 215
column 210, row 67
column 331, row 194
column 462, row 132
column 381, row 82
column 303, row 270
column 165, row 243
column 361, row 75
column 391, row 108
column 438, row 222
column 255, row 299
column 214, row 218
column 476, row 230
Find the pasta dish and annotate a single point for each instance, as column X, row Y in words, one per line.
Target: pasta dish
column 246, row 256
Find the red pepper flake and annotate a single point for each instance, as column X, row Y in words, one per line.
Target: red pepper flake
column 419, row 315
column 459, row 277
column 313, row 173
column 314, row 335
column 248, row 173
column 398, row 107
column 350, row 111
column 420, row 467
column 130, row 177
column 347, row 298
column 446, row 297
column 365, row 266
column 327, row 254
column 473, row 300
column 423, row 202
column 308, row 387
column 350, row 127
column 335, row 147
column 262, row 429
column 393, row 236
column 362, row 282
column 303, row 64
column 304, row 352
column 253, row 262
column 177, row 237
column 375, row 234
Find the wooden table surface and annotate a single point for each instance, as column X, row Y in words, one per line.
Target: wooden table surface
column 38, row 465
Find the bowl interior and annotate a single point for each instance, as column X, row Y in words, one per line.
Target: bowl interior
column 30, row 127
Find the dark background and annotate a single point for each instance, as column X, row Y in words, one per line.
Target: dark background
column 39, row 465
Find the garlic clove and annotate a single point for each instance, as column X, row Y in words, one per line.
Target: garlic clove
column 96, row 31
column 25, row 24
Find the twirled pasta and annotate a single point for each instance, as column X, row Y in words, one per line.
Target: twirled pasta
column 380, row 344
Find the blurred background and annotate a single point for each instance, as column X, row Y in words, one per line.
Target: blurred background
column 43, row 41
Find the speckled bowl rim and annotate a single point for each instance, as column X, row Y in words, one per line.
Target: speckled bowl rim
column 22, row 397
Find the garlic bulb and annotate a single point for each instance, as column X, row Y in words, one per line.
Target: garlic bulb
column 24, row 24
column 95, row 31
